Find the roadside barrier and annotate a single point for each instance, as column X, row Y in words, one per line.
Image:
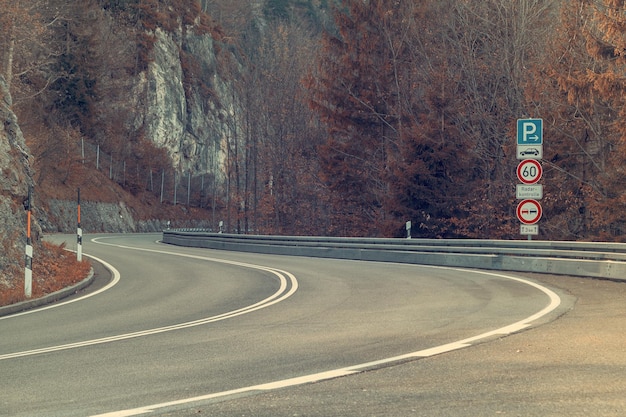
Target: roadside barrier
column 588, row 259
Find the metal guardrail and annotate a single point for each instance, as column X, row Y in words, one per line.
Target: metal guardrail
column 589, row 259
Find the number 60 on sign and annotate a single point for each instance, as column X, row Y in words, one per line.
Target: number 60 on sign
column 529, row 171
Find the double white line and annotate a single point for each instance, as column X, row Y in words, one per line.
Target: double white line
column 554, row 302
column 288, row 286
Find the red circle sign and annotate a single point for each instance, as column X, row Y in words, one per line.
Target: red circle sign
column 529, row 211
column 529, row 171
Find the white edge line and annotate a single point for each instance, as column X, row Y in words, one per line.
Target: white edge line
column 114, row 281
column 555, row 301
column 276, row 297
column 307, row 379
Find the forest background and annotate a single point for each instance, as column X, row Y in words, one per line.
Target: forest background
column 353, row 116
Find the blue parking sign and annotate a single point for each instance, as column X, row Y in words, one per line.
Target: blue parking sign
column 529, row 131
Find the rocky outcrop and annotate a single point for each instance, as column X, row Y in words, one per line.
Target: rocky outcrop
column 186, row 115
column 183, row 103
column 95, row 217
column 14, row 183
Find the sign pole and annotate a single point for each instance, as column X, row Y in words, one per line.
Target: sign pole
column 79, row 233
column 28, row 269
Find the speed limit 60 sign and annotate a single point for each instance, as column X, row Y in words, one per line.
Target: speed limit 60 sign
column 529, row 171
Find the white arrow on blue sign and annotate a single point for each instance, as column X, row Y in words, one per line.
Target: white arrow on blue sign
column 529, row 131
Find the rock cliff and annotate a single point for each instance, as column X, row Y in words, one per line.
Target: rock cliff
column 14, row 183
column 188, row 103
column 182, row 102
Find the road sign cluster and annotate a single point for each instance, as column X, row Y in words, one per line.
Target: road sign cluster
column 529, row 172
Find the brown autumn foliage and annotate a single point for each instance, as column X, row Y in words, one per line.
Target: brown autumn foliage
column 581, row 93
column 354, row 94
column 396, row 111
column 54, row 268
column 397, row 149
column 421, row 100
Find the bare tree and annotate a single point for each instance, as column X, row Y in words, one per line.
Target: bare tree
column 284, row 137
column 26, row 53
column 489, row 46
column 579, row 88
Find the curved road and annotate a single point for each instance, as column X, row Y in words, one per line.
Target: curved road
column 184, row 330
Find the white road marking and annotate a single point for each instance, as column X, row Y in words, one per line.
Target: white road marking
column 285, row 291
column 116, row 278
column 555, row 301
column 308, row 379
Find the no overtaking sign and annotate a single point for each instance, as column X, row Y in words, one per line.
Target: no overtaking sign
column 529, row 211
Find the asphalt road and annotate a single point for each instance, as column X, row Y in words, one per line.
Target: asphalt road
column 201, row 332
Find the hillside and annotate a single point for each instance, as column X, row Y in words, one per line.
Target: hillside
column 315, row 117
column 14, row 183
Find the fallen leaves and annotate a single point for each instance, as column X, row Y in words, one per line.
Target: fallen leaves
column 54, row 268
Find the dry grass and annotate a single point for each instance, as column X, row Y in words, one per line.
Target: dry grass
column 54, row 268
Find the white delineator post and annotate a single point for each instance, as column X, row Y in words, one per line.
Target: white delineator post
column 79, row 234
column 28, row 262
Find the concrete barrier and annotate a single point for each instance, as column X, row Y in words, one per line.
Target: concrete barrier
column 587, row 259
